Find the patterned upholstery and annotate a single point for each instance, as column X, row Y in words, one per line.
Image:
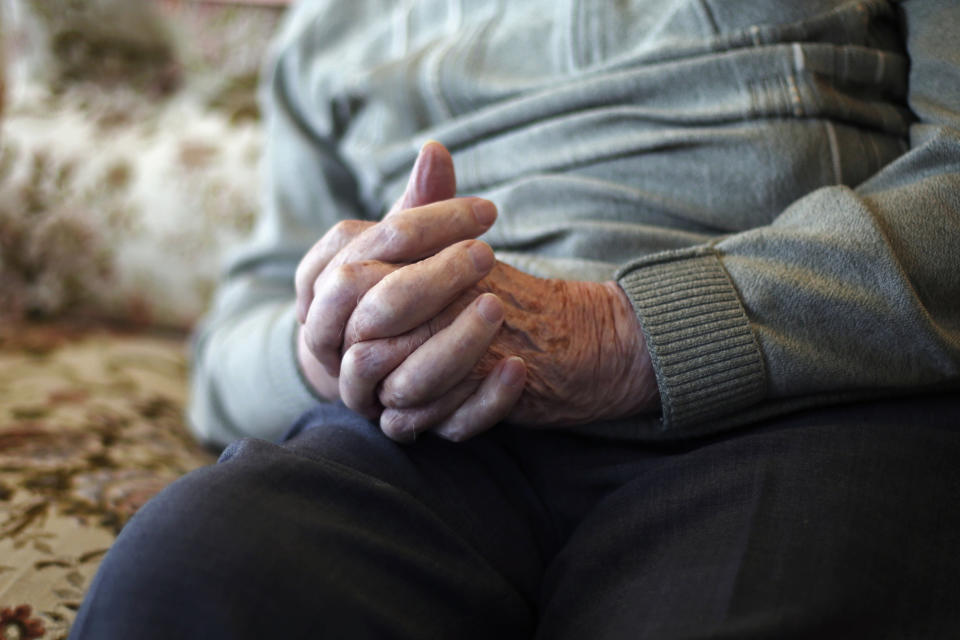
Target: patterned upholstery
column 128, row 170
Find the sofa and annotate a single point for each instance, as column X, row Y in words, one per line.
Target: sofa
column 129, row 154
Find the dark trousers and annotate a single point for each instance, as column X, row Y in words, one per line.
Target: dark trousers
column 839, row 522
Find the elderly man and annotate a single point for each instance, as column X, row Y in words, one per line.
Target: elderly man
column 661, row 337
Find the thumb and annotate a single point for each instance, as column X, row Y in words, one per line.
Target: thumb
column 432, row 179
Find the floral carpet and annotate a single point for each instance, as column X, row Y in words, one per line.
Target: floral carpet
column 90, row 428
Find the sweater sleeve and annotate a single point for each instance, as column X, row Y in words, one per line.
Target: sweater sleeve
column 847, row 294
column 245, row 376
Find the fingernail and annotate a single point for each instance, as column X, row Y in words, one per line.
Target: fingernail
column 482, row 256
column 514, row 372
column 485, row 212
column 490, row 308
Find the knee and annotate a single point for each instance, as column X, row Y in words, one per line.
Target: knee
column 199, row 514
column 176, row 555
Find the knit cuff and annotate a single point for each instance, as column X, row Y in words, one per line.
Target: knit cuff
column 708, row 363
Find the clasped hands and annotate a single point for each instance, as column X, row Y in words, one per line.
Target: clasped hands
column 413, row 322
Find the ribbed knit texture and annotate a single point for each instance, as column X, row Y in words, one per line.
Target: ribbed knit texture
column 706, row 357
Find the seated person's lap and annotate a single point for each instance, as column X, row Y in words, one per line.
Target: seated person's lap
column 834, row 517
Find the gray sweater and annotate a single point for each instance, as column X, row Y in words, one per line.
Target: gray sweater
column 775, row 185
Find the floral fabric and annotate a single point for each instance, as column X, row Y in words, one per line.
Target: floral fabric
column 129, row 155
column 90, row 428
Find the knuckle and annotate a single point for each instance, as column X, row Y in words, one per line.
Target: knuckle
column 393, row 394
column 395, row 425
column 345, row 275
column 454, row 432
column 343, row 229
column 398, row 233
column 313, row 340
column 398, row 390
column 358, row 328
column 352, row 281
column 337, row 283
column 352, row 227
column 368, row 320
column 371, row 298
column 364, row 361
column 416, row 338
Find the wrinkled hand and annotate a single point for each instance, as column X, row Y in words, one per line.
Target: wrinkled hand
column 405, row 320
column 553, row 352
column 355, row 255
